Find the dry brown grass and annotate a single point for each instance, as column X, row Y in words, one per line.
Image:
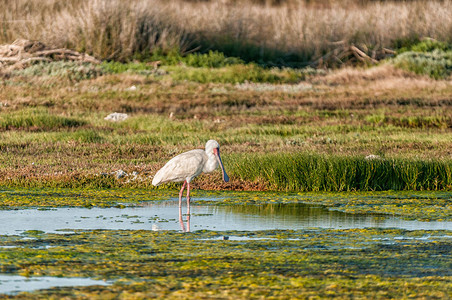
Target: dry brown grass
column 292, row 30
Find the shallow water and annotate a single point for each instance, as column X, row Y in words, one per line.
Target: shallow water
column 163, row 215
column 13, row 284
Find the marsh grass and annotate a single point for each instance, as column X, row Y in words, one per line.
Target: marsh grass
column 441, row 121
column 312, row 172
column 36, row 120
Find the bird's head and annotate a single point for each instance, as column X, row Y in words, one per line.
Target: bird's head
column 212, row 146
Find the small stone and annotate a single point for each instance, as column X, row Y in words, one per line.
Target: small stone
column 372, row 157
column 116, row 117
column 156, row 227
column 132, row 88
column 120, row 174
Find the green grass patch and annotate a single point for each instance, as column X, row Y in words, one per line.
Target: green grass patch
column 210, row 59
column 36, row 120
column 411, row 121
column 204, row 68
column 143, row 63
column 236, row 74
column 114, row 67
column 312, row 172
column 423, row 46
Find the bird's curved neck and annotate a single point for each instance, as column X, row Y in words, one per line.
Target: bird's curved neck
column 211, row 163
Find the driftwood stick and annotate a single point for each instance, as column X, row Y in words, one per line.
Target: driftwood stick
column 55, row 51
column 9, row 59
column 21, row 52
column 21, row 64
column 361, row 55
column 66, row 53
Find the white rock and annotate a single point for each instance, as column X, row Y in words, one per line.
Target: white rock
column 372, row 156
column 155, row 227
column 116, row 117
column 120, row 174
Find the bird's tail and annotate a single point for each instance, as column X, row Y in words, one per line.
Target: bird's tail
column 157, row 180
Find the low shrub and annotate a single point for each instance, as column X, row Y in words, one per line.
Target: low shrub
column 63, row 69
column 436, row 64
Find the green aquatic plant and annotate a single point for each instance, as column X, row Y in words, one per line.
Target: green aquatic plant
column 278, row 264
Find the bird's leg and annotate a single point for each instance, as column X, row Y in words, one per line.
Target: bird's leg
column 188, row 198
column 188, row 223
column 180, row 207
column 180, row 195
column 181, row 221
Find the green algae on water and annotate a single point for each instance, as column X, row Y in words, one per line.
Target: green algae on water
column 414, row 205
column 280, row 264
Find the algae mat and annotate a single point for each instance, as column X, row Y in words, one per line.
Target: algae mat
column 279, row 264
column 364, row 263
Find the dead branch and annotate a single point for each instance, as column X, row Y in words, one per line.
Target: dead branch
column 23, row 52
column 350, row 54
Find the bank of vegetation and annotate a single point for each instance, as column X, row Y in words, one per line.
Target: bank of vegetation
column 262, row 78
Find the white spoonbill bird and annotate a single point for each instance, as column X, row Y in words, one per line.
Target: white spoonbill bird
column 186, row 166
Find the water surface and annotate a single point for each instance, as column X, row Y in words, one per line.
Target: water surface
column 163, row 215
column 13, row 284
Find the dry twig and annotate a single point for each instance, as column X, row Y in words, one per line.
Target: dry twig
column 21, row 53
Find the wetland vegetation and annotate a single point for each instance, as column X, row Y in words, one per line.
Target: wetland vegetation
column 279, row 264
column 345, row 105
column 314, row 135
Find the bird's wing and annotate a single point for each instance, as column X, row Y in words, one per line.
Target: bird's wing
column 180, row 167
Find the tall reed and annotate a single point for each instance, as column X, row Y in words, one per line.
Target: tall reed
column 312, row 172
column 292, row 31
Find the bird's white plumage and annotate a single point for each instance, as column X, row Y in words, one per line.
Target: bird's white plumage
column 188, row 165
column 182, row 167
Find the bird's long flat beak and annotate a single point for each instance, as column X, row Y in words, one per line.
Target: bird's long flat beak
column 216, row 151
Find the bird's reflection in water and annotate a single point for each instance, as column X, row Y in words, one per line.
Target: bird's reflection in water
column 181, row 220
